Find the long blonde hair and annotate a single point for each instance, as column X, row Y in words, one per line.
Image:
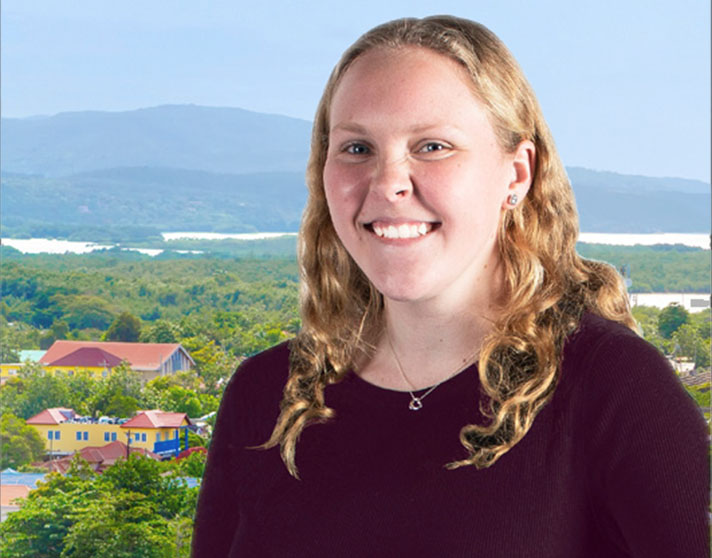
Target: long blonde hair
column 547, row 285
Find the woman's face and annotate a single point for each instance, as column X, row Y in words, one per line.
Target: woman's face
column 415, row 178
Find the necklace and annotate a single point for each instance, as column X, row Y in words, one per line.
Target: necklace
column 416, row 401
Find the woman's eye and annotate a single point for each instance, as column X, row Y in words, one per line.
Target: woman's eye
column 356, row 149
column 433, row 147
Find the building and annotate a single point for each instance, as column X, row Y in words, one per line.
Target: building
column 98, row 458
column 10, row 369
column 64, row 432
column 10, row 496
column 692, row 302
column 151, row 360
column 166, row 434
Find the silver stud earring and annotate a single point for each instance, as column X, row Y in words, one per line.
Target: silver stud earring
column 513, row 199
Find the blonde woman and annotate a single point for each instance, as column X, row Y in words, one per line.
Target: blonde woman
column 464, row 384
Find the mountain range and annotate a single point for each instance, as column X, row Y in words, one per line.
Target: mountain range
column 186, row 167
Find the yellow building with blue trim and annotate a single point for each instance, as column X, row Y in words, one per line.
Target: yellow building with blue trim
column 65, row 432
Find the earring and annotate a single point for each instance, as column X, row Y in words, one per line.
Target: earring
column 513, row 199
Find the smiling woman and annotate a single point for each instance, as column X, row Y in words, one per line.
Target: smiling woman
column 442, row 295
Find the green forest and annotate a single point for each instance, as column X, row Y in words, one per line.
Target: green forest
column 229, row 302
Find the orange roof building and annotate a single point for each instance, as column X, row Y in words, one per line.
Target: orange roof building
column 150, row 359
column 56, row 415
column 157, row 419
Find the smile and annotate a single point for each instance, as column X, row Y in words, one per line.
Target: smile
column 403, row 230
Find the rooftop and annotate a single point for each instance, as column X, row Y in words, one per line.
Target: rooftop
column 140, row 356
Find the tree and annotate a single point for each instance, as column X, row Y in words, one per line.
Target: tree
column 120, row 391
column 85, row 311
column 58, row 330
column 121, row 406
column 33, row 391
column 162, row 331
column 38, row 528
column 671, row 317
column 126, row 327
column 122, row 525
column 691, row 345
column 20, row 444
column 132, row 509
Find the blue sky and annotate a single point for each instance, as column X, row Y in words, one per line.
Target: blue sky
column 624, row 85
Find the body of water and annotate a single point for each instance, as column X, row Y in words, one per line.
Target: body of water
column 223, row 236
column 698, row 240
column 54, row 246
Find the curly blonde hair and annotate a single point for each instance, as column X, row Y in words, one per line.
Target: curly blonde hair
column 547, row 285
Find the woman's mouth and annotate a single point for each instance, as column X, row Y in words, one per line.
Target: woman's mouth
column 414, row 229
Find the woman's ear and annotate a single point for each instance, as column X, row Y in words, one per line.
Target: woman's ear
column 523, row 162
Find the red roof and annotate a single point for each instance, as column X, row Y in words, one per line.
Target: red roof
column 140, row 356
column 99, row 457
column 56, row 415
column 156, row 419
column 88, row 356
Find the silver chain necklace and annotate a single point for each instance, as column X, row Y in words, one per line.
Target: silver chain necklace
column 416, row 402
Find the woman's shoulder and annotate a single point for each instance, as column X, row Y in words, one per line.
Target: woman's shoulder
column 260, row 376
column 609, row 348
column 620, row 378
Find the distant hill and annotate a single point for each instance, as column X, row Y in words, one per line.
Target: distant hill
column 185, row 167
column 224, row 140
column 165, row 199
column 611, row 202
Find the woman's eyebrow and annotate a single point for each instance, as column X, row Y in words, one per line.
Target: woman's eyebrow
column 349, row 127
column 415, row 129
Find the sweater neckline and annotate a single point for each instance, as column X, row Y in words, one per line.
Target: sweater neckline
column 367, row 391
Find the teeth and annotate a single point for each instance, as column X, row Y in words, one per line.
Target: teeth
column 402, row 231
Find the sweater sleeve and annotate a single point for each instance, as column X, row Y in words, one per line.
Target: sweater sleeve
column 647, row 452
column 216, row 516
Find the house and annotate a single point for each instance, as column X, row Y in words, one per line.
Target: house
column 64, row 432
column 10, row 495
column 10, row 369
column 98, row 458
column 151, row 360
column 159, row 431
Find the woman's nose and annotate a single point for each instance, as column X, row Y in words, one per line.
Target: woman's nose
column 392, row 178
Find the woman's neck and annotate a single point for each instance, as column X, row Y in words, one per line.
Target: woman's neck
column 430, row 340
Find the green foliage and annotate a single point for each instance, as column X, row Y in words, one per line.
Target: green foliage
column 19, row 444
column 126, row 327
column 118, row 394
column 167, row 394
column 58, row 330
column 690, row 344
column 32, row 391
column 701, row 394
column 191, row 466
column 671, row 318
column 161, row 331
column 39, row 528
column 657, row 269
column 132, row 510
column 85, row 311
column 14, row 337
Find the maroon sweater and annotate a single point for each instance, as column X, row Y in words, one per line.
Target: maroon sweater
column 616, row 465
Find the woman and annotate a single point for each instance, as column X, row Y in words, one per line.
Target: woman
column 464, row 384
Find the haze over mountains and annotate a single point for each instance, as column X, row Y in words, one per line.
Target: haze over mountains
column 186, row 167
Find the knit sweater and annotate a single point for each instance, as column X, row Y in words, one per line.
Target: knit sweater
column 615, row 465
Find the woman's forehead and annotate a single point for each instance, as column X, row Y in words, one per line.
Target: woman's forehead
column 412, row 82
